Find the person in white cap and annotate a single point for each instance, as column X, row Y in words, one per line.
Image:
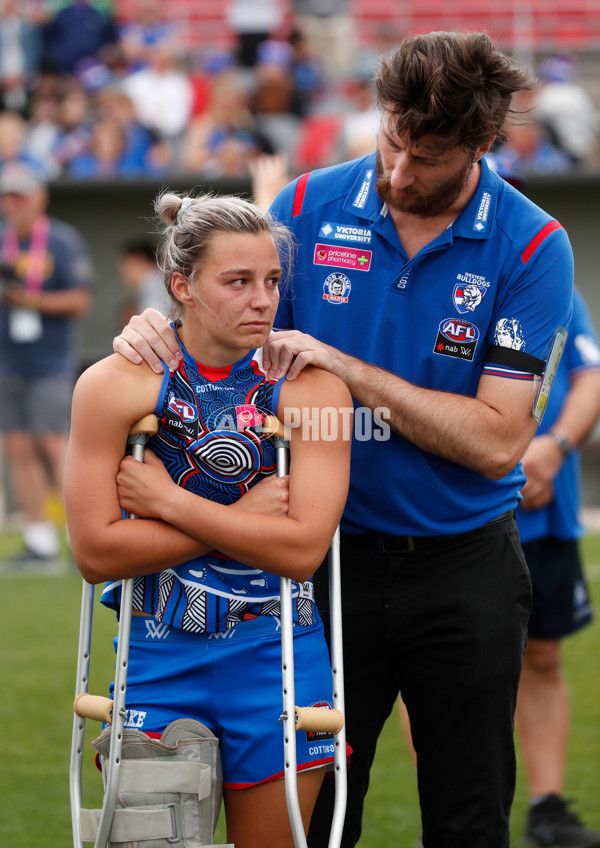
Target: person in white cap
column 46, row 274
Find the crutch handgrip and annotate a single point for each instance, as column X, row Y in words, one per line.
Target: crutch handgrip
column 319, row 719
column 148, row 424
column 272, row 426
column 97, row 707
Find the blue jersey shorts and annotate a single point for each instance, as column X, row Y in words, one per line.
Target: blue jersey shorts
column 231, row 682
column 561, row 603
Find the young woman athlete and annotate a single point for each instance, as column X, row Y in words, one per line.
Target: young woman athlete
column 224, row 527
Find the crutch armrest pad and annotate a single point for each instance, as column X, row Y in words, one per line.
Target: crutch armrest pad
column 272, row 426
column 97, row 707
column 319, row 719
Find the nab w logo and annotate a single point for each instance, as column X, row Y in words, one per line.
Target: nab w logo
column 221, row 634
column 155, row 629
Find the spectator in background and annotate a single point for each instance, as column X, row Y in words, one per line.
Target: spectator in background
column 306, row 68
column 43, row 119
column 328, row 26
column 550, row 528
column 141, row 276
column 107, row 156
column 78, row 31
column 20, row 50
column 161, row 94
column 73, row 127
column 222, row 141
column 276, row 90
column 47, row 278
column 277, row 102
column 205, row 69
column 528, row 148
column 252, row 22
column 143, row 150
column 41, row 132
column 13, row 140
column 361, row 123
column 567, row 110
column 138, row 36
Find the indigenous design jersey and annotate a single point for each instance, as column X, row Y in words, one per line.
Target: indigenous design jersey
column 210, row 441
column 485, row 296
column 560, row 517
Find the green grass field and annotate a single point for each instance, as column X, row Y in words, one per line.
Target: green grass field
column 38, row 641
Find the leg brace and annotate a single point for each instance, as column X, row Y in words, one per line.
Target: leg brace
column 169, row 789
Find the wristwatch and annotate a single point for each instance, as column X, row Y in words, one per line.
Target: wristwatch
column 562, row 442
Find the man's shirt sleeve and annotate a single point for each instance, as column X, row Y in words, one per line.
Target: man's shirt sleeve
column 282, row 210
column 532, row 305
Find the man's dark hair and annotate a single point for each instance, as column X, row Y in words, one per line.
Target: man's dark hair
column 454, row 86
column 139, row 247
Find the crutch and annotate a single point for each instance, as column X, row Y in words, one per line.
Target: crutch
column 313, row 719
column 96, row 706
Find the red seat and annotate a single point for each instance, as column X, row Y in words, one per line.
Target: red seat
column 555, row 24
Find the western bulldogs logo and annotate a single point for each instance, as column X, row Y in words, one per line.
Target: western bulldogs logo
column 336, row 288
column 468, row 297
column 456, row 338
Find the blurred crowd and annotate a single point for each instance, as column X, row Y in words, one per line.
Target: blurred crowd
column 85, row 95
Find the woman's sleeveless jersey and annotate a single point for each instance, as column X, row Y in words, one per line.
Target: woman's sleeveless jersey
column 210, row 441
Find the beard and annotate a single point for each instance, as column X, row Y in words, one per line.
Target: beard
column 429, row 205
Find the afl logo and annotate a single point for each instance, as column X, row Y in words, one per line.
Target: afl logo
column 184, row 410
column 336, row 288
column 457, row 330
column 456, row 338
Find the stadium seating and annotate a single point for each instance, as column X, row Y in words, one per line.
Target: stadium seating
column 546, row 24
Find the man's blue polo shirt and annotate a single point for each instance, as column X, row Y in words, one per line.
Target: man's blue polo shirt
column 487, row 295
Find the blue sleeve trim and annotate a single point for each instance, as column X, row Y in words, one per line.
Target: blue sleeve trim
column 511, row 374
column 276, row 393
column 160, row 402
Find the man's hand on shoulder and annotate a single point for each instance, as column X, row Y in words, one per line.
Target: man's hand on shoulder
column 289, row 351
column 149, row 338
